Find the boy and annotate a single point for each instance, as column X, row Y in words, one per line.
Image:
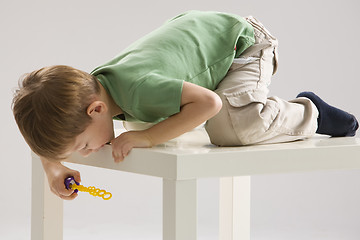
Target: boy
column 199, row 66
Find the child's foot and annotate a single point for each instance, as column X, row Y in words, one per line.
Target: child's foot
column 332, row 121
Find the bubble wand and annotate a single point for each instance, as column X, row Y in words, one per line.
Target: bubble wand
column 70, row 183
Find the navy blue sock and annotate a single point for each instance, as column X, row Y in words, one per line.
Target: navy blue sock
column 332, row 121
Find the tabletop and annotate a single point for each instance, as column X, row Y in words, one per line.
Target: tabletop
column 192, row 156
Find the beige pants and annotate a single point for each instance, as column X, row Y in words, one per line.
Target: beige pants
column 248, row 115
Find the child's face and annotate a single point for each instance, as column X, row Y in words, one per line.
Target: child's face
column 96, row 135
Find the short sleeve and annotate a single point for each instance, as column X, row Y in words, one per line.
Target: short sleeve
column 157, row 98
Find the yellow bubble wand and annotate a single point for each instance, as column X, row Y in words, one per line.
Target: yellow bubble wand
column 70, row 183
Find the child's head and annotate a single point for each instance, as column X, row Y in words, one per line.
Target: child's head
column 50, row 108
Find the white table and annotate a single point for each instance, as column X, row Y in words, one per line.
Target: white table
column 181, row 161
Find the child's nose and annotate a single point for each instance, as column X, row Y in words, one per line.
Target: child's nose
column 97, row 149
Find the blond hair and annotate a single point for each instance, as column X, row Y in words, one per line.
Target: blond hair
column 50, row 108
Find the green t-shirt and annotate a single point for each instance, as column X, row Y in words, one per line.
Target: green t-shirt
column 146, row 79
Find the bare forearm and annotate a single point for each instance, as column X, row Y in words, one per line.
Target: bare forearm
column 198, row 104
column 49, row 165
column 191, row 116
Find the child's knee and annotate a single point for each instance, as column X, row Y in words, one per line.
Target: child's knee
column 220, row 129
column 235, row 126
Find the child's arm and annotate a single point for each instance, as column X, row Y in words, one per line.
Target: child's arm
column 198, row 104
column 56, row 174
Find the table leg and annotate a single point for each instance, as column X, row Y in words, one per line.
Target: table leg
column 179, row 210
column 46, row 208
column 234, row 216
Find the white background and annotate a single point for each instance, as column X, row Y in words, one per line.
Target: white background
column 319, row 51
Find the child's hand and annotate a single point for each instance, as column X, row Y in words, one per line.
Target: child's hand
column 56, row 174
column 57, row 184
column 122, row 145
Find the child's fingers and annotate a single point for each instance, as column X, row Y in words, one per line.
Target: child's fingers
column 120, row 155
column 126, row 149
column 121, row 147
column 77, row 176
column 63, row 193
column 70, row 197
column 117, row 157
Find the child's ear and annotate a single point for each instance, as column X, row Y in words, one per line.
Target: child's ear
column 96, row 107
